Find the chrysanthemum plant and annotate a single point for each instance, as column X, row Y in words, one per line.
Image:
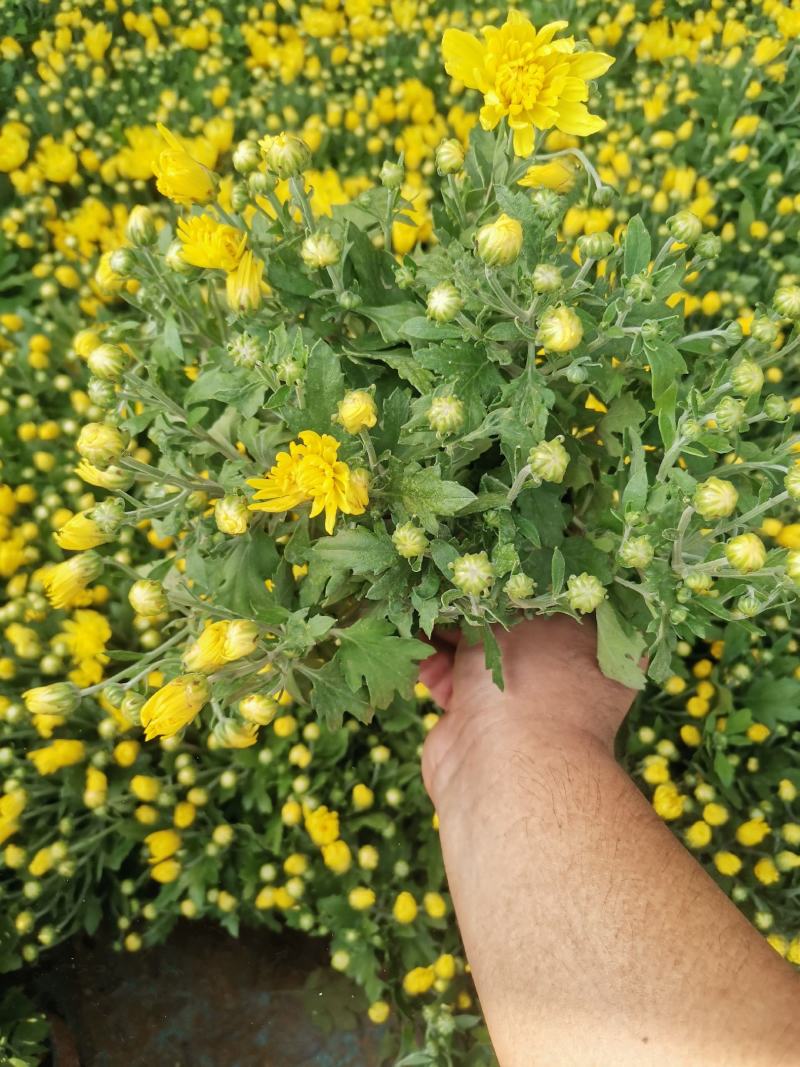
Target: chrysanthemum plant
column 350, row 449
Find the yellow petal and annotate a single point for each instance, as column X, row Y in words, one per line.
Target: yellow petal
column 463, row 57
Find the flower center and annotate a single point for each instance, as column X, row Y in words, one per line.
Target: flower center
column 519, row 77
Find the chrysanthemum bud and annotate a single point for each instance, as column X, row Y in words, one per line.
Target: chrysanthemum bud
column 576, row 373
column 410, row 541
column 732, row 334
column 108, row 362
column 108, row 515
column 449, row 156
column 404, row 277
column 320, row 250
column 444, row 302
column 791, row 483
column 699, row 582
column 786, row 301
column 596, row 245
column 285, row 155
column 685, row 227
column 259, row 183
column 147, row 598
column 729, row 414
column 357, row 411
column 584, row 592
column 749, row 604
column 349, row 300
column 231, row 514
column 708, row 246
column 228, row 733
column 240, row 196
column 747, row 378
column 764, row 330
column 123, row 262
column 746, row 553
column 290, row 371
column 102, row 393
column 258, row 709
column 793, row 566
column 245, row 350
column 100, row 444
column 499, row 243
column 639, row 287
column 241, row 638
column 130, row 707
column 519, row 587
column 61, row 698
column 560, row 330
column 246, row 157
column 392, row 174
column 547, row 204
column 636, row 552
column 446, row 414
column 141, row 228
column 715, row 498
column 775, row 407
column 173, row 259
column 546, row 278
column 473, row 573
column 549, row 460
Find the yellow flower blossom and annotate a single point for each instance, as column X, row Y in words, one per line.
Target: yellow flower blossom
column 174, row 706
column 310, row 471
column 211, row 244
column 527, row 76
column 179, row 175
column 58, row 754
column 244, row 284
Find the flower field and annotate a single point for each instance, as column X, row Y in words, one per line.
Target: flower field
column 325, row 324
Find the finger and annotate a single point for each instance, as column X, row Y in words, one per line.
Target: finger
column 446, row 637
column 436, row 673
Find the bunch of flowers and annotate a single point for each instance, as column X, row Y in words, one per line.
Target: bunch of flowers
column 353, row 449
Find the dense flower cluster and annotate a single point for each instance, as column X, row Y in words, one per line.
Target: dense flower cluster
column 192, row 301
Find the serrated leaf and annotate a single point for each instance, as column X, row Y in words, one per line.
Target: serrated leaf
column 370, row 653
column 424, row 494
column 618, row 649
column 333, row 698
column 356, row 550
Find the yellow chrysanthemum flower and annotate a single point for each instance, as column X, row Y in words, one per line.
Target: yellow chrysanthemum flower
column 244, row 284
column 61, row 753
column 311, row 471
column 179, row 175
column 80, row 533
column 211, row 244
column 174, row 706
column 65, row 581
column 527, row 76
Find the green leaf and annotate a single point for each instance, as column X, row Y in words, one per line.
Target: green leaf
column 324, row 387
column 557, row 571
column 638, row 247
column 357, row 550
column 634, row 496
column 619, row 649
column 391, row 319
column 333, row 698
column 425, row 495
column 493, row 657
column 424, row 329
column 239, row 585
column 666, row 366
column 723, row 768
column 371, row 653
column 774, row 700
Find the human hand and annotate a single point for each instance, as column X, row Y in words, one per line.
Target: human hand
column 553, row 685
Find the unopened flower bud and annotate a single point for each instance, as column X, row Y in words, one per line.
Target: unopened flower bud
column 320, row 250
column 560, row 330
column 259, row 183
column 444, row 302
column 240, row 196
column 764, row 330
column 147, row 598
column 499, row 243
column 636, row 552
column 102, row 393
column 449, row 156
column 791, row 483
column 228, row 733
column 685, row 227
column 519, row 587
column 749, row 604
column 60, row 698
column 100, row 444
column 793, row 566
column 404, row 277
column 141, row 228
column 473, row 573
column 246, row 157
column 699, row 582
column 245, row 350
column 547, row 204
column 786, row 301
column 596, row 245
column 729, row 414
column 746, row 553
column 123, row 262
column 241, row 638
column 173, row 259
column 708, row 246
column 715, row 498
column 285, row 155
column 747, row 378
column 549, row 460
column 546, row 278
column 446, row 414
column 131, row 706
column 258, row 709
column 392, row 174
column 584, row 592
column 108, row 362
column 775, row 407
column 349, row 300
column 639, row 287
column 410, row 541
column 290, row 371
column 603, row 196
column 231, row 514
column 576, row 373
column 357, row 411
